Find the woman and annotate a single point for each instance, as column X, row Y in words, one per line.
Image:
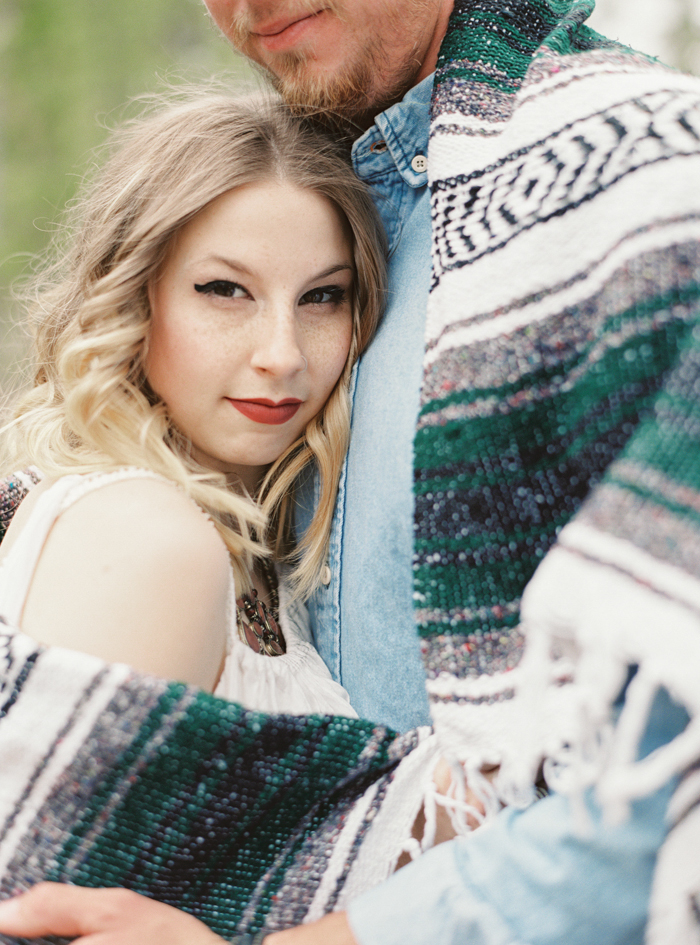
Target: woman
column 194, row 344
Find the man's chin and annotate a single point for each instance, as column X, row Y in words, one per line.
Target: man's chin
column 342, row 101
column 346, row 101
column 348, row 94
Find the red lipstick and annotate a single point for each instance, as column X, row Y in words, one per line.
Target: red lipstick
column 262, row 410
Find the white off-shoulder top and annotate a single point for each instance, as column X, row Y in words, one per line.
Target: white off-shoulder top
column 297, row 682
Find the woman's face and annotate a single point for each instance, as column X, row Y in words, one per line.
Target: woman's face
column 251, row 323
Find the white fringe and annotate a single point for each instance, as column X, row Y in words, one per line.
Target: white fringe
column 642, row 614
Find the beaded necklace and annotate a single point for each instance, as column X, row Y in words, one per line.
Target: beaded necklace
column 258, row 624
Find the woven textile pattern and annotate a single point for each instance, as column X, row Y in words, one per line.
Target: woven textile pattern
column 132, row 781
column 566, row 279
column 12, row 490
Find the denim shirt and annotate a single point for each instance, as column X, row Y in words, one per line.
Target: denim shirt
column 363, row 618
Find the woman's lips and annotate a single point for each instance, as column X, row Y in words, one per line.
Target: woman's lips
column 262, row 410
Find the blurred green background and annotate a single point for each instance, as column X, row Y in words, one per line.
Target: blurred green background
column 66, row 68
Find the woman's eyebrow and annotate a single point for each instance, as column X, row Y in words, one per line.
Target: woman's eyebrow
column 239, row 267
column 231, row 263
column 341, row 267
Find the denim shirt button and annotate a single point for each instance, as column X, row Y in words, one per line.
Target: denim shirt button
column 326, row 576
column 419, row 163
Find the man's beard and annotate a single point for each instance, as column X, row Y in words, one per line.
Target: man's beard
column 350, row 97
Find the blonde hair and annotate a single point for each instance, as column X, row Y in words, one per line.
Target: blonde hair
column 91, row 407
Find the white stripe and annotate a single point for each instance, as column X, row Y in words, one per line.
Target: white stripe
column 27, row 480
column 471, row 125
column 446, row 685
column 615, row 620
column 622, row 607
column 16, row 649
column 579, row 94
column 30, row 731
column 482, row 734
column 607, row 549
column 588, row 91
column 340, row 852
column 392, row 824
column 599, row 235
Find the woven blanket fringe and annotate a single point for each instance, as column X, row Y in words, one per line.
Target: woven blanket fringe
column 593, row 643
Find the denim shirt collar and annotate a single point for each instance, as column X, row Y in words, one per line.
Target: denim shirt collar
column 397, row 137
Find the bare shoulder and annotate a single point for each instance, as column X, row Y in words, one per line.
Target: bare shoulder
column 135, row 572
column 146, row 517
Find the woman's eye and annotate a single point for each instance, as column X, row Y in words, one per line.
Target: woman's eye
column 223, row 288
column 324, row 294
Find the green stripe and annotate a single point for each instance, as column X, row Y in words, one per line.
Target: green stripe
column 472, row 37
column 679, row 509
column 664, row 446
column 640, row 359
column 642, row 310
column 110, row 779
column 514, row 434
column 189, row 766
column 484, row 445
column 448, row 588
column 568, row 36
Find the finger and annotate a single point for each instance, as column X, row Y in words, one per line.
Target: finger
column 333, row 929
column 59, row 909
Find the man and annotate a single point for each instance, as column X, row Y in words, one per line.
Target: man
column 560, row 352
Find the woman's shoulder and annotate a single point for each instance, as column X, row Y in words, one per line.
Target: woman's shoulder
column 142, row 521
column 135, row 556
column 139, row 503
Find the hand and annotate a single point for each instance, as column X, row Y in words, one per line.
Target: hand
column 442, row 779
column 444, row 827
column 332, row 929
column 100, row 917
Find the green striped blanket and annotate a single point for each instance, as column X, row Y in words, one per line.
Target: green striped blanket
column 559, row 434
column 111, row 778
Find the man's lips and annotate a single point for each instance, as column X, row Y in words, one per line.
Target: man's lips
column 262, row 410
column 281, row 34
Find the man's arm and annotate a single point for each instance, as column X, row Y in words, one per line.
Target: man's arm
column 534, row 876
column 531, row 876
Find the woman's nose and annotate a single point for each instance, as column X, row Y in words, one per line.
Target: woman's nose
column 278, row 348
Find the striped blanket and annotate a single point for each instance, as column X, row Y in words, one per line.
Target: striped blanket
column 558, row 445
column 558, row 450
column 111, row 778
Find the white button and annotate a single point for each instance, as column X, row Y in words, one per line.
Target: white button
column 419, row 163
column 326, row 576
